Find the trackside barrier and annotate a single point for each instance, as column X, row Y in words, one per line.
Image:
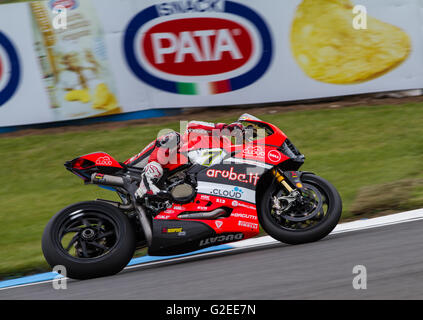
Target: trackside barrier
column 65, row 60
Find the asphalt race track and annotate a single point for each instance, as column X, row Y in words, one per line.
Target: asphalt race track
column 322, row 270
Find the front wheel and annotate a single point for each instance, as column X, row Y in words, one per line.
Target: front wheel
column 90, row 239
column 301, row 217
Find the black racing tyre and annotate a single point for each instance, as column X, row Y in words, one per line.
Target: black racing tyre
column 90, row 239
column 312, row 222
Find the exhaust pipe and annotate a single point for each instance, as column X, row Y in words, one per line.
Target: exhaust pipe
column 211, row 215
column 107, row 180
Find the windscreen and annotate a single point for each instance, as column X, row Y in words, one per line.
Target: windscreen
column 247, row 116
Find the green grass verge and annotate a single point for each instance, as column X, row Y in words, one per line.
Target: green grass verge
column 14, row 1
column 351, row 147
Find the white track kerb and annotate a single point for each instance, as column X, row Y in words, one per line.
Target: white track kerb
column 264, row 241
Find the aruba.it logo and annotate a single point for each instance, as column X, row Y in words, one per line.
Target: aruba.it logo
column 198, row 47
column 9, row 69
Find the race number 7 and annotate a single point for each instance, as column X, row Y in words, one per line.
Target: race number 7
column 212, row 155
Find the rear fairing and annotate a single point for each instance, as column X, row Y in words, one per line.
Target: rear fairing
column 84, row 166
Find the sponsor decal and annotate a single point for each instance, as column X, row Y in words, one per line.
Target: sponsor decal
column 241, row 204
column 99, row 176
column 103, row 161
column 274, row 156
column 197, row 47
column 205, row 197
column 248, row 224
column 169, row 211
column 171, row 230
column 68, row 4
column 178, row 231
column 201, row 208
column 254, row 151
column 234, row 193
column 244, row 216
column 226, row 191
column 169, row 8
column 218, row 223
column 163, row 217
column 179, row 208
column 250, row 178
column 221, row 239
column 10, row 69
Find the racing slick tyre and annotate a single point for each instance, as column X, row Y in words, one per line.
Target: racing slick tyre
column 309, row 219
column 90, row 239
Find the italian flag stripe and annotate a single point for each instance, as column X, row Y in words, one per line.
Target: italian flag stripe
column 187, row 88
column 220, row 86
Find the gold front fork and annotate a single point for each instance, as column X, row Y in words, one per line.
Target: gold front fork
column 281, row 180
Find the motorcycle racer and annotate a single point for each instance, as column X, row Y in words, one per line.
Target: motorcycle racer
column 152, row 160
column 222, row 188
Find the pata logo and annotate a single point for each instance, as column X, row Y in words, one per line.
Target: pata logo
column 198, row 47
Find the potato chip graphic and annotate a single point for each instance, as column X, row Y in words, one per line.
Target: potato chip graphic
column 329, row 49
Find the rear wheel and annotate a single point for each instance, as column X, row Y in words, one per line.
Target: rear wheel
column 90, row 239
column 307, row 216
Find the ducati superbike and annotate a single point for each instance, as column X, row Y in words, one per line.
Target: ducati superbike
column 223, row 194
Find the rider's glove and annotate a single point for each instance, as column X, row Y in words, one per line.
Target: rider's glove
column 153, row 171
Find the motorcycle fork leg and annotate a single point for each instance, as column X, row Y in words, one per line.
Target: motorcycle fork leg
column 281, row 179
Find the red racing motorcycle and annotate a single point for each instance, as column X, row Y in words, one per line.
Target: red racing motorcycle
column 223, row 196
